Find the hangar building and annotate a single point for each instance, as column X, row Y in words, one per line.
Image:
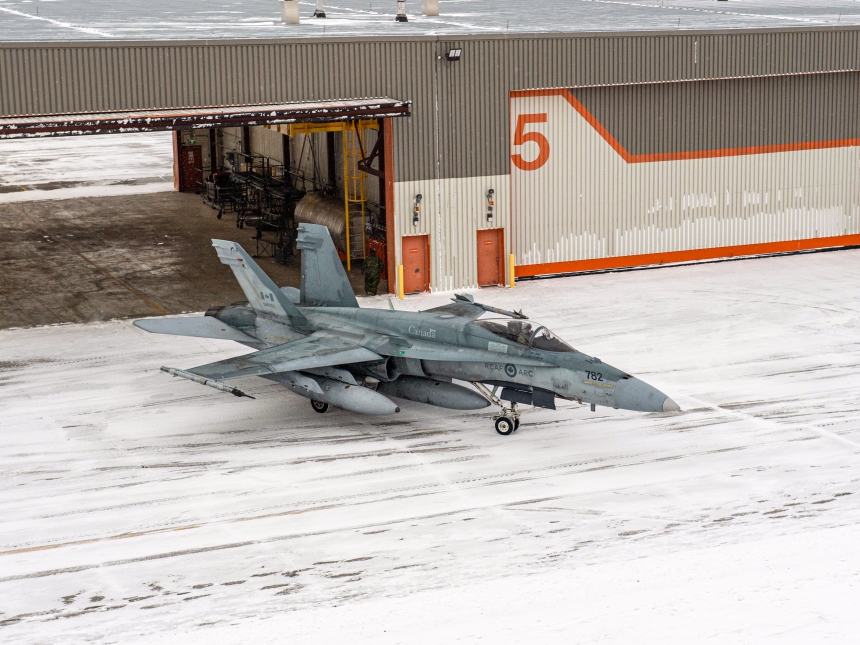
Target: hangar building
column 493, row 141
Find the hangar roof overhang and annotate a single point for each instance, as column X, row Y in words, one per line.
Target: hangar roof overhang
column 14, row 127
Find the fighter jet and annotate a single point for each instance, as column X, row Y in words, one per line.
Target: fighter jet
column 317, row 342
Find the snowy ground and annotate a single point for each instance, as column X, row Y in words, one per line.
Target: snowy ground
column 138, row 508
column 92, row 166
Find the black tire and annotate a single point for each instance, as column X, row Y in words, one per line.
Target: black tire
column 319, row 406
column 504, row 426
column 516, row 424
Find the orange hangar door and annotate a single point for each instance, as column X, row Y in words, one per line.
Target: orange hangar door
column 490, row 246
column 416, row 263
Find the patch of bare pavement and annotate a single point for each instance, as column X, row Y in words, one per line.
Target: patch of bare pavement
column 99, row 258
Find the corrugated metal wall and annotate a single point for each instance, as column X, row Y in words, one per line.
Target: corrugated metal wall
column 664, row 118
column 459, row 126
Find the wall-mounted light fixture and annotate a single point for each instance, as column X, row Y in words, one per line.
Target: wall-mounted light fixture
column 416, row 208
column 453, row 55
column 401, row 11
column 491, row 201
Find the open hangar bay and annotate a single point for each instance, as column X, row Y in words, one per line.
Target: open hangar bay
column 612, row 135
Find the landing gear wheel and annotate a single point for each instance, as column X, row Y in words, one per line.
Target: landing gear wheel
column 505, row 426
column 516, row 424
column 319, row 406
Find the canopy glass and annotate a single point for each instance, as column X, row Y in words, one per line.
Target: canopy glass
column 527, row 333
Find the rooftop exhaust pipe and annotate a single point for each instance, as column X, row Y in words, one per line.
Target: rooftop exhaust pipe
column 290, row 12
column 319, row 11
column 430, row 7
column 401, row 11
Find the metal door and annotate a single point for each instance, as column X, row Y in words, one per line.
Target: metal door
column 416, row 263
column 191, row 163
column 490, row 250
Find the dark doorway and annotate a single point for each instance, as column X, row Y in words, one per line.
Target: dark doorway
column 190, row 169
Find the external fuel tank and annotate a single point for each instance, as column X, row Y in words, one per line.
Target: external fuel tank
column 317, row 208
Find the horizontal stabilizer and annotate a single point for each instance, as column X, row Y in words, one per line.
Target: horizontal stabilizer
column 199, row 327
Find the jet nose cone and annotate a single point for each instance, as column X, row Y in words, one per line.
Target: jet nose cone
column 633, row 394
column 670, row 406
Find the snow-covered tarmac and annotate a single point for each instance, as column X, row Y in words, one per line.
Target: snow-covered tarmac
column 140, row 508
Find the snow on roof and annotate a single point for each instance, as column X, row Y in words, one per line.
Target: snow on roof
column 64, row 20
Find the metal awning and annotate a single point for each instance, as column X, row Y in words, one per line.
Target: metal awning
column 13, row 127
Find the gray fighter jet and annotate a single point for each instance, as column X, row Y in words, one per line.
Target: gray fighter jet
column 317, row 342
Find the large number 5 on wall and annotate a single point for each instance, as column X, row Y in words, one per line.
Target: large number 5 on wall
column 521, row 137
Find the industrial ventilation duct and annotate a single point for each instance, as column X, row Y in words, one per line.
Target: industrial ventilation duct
column 290, row 10
column 401, row 11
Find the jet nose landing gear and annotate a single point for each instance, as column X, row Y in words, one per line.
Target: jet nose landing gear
column 505, row 426
column 508, row 420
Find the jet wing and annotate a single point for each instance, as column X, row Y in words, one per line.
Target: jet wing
column 320, row 349
column 198, row 326
column 464, row 306
column 457, row 308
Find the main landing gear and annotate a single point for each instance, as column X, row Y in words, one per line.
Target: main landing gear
column 508, row 419
column 319, row 406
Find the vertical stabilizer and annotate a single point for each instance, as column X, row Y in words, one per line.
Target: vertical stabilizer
column 262, row 293
column 324, row 282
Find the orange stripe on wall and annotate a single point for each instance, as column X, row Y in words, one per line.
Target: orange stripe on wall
column 680, row 156
column 673, row 257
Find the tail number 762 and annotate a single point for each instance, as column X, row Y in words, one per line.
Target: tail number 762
column 522, row 137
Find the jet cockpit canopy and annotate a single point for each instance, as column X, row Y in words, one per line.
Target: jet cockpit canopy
column 525, row 332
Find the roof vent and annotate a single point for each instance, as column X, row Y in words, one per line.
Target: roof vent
column 401, row 11
column 319, row 11
column 290, row 12
column 430, row 7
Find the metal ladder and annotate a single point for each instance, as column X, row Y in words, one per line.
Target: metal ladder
column 354, row 196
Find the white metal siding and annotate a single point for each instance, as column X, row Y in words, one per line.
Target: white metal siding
column 452, row 211
column 587, row 202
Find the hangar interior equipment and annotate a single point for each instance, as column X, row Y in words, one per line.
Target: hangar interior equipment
column 273, row 177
